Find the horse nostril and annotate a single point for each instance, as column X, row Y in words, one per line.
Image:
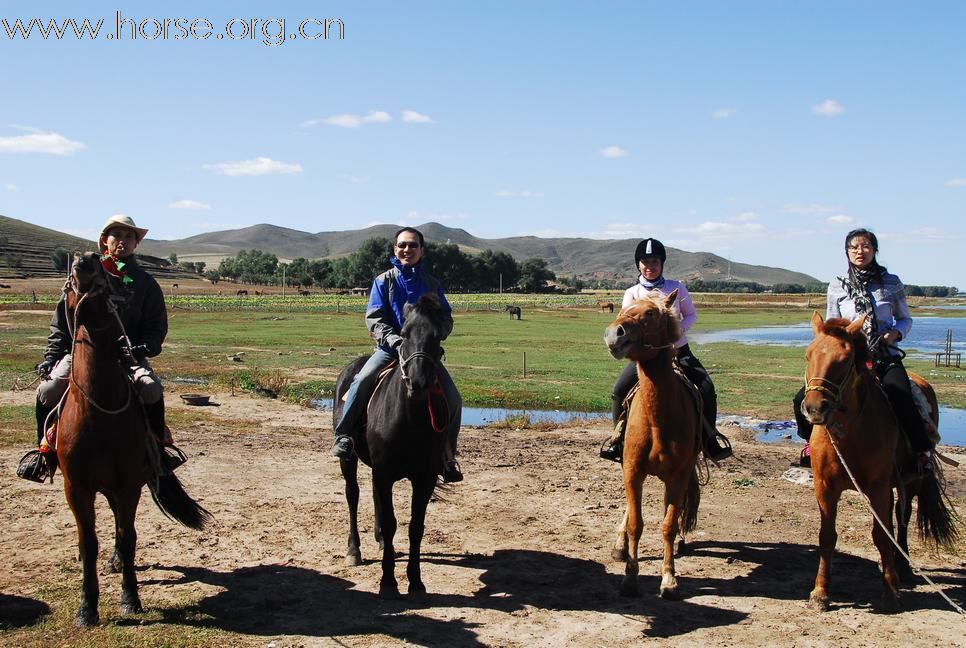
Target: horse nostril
column 620, row 331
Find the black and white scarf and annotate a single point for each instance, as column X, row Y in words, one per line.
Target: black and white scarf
column 856, row 285
column 657, row 284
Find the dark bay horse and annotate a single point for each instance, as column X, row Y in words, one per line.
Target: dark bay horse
column 844, row 401
column 514, row 311
column 662, row 436
column 403, row 439
column 103, row 443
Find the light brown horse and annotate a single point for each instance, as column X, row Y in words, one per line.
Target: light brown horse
column 605, row 305
column 662, row 436
column 843, row 397
column 103, row 443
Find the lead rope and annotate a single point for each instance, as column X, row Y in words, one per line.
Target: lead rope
column 875, row 515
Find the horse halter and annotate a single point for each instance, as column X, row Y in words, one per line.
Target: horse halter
column 830, row 388
column 416, row 354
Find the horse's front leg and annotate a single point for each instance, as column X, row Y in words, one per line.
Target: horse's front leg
column 126, row 544
column 382, row 495
column 619, row 550
column 880, row 496
column 422, row 492
column 633, row 485
column 82, row 505
column 674, row 492
column 828, row 502
column 350, row 470
column 903, row 509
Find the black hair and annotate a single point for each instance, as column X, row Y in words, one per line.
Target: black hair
column 876, row 267
column 419, row 235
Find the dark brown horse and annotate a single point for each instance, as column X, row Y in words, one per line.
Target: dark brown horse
column 103, row 443
column 403, row 439
column 514, row 311
column 605, row 305
column 662, row 437
column 845, row 403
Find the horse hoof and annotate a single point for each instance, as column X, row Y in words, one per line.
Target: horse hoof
column 619, row 555
column 818, row 602
column 629, row 590
column 670, row 593
column 389, row 592
column 418, row 593
column 905, row 573
column 131, row 607
column 353, row 559
column 86, row 618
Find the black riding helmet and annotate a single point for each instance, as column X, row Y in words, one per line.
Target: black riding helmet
column 649, row 247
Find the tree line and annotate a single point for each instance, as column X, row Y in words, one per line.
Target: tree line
column 488, row 271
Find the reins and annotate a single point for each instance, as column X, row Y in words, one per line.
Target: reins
column 111, row 308
column 833, row 390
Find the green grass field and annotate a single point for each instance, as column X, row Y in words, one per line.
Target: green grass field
column 553, row 358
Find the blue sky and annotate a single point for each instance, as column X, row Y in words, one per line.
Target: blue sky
column 761, row 131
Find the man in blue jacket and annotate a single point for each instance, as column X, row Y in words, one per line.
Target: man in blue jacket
column 402, row 284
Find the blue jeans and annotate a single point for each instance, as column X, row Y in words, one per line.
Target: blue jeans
column 359, row 392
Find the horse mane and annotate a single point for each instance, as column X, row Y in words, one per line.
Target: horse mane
column 836, row 327
column 428, row 306
column 673, row 322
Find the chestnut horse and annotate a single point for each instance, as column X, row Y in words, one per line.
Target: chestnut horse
column 662, row 436
column 103, row 442
column 844, row 401
column 605, row 305
column 403, row 439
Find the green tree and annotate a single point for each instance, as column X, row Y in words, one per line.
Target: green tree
column 490, row 266
column 61, row 259
column 212, row 276
column 534, row 275
column 173, row 259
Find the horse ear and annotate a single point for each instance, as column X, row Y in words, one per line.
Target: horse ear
column 855, row 326
column 816, row 322
column 670, row 298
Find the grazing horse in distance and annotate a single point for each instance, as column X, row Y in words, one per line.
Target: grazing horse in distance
column 513, row 311
column 662, row 434
column 844, row 402
column 241, row 293
column 403, row 438
column 103, row 442
column 605, row 305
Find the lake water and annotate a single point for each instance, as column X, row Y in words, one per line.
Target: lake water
column 928, row 336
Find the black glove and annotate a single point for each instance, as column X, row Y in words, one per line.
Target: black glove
column 44, row 368
column 140, row 352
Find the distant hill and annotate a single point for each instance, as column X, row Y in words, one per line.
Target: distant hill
column 587, row 258
column 25, row 250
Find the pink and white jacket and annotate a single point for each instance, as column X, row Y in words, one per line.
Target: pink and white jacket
column 683, row 306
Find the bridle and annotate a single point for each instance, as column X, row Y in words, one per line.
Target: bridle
column 416, row 354
column 828, row 387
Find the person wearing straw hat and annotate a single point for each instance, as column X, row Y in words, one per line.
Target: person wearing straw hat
column 145, row 320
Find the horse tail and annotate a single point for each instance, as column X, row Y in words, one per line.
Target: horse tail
column 689, row 516
column 935, row 519
column 170, row 496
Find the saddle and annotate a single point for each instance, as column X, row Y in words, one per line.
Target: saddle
column 692, row 389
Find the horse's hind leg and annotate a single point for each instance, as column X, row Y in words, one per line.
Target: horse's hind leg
column 350, row 469
column 82, row 505
column 422, row 492
column 382, row 494
column 126, row 545
column 619, row 550
column 881, row 500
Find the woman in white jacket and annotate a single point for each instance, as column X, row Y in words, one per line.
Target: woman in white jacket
column 649, row 258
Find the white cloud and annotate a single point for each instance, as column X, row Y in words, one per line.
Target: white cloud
column 355, row 179
column 414, row 217
column 38, row 141
column 746, row 216
column 11, row 187
column 810, row 209
column 613, row 152
column 956, row 182
column 505, row 193
column 413, row 117
column 724, row 113
column 717, row 230
column 257, row 167
column 188, row 204
column 840, row 219
column 348, row 120
column 828, row 108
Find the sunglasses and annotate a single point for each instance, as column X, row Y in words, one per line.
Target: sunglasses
column 408, row 244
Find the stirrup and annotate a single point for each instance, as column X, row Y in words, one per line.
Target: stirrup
column 718, row 447
column 612, row 449
column 34, row 467
column 452, row 473
column 172, row 457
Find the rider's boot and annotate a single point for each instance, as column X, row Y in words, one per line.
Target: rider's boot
column 716, row 445
column 171, row 456
column 39, row 464
column 342, row 447
column 613, row 447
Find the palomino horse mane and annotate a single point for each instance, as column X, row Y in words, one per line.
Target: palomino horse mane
column 837, row 327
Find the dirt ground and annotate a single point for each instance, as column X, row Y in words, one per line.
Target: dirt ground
column 516, row 555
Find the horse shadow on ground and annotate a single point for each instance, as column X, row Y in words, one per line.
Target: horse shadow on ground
column 20, row 611
column 273, row 600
